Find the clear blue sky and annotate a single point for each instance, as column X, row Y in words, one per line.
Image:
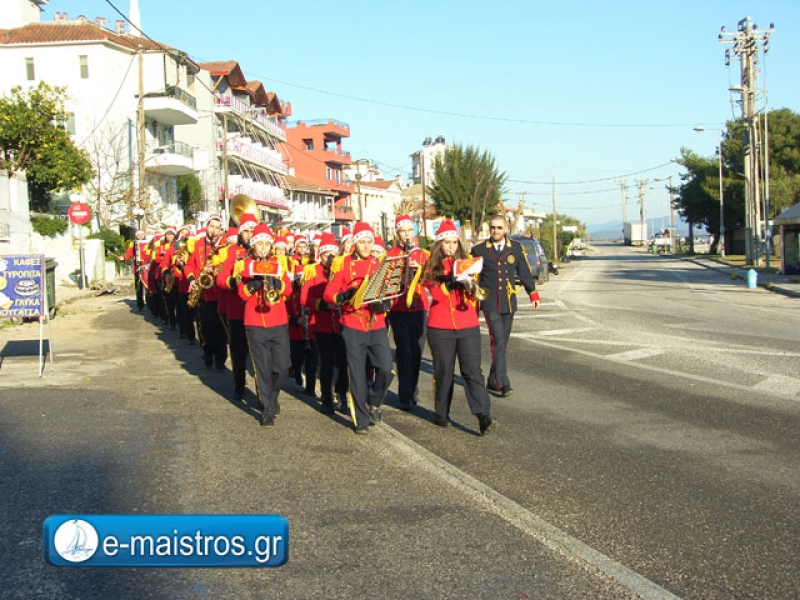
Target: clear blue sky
column 583, row 90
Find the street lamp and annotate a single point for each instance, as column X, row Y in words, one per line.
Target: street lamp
column 721, row 196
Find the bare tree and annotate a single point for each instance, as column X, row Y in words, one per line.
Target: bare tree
column 110, row 191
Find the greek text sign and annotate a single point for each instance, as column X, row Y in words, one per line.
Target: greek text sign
column 22, row 285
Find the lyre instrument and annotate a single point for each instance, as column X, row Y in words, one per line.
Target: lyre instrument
column 386, row 283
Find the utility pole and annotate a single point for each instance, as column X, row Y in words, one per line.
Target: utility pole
column 225, row 183
column 555, row 222
column 624, row 191
column 424, row 203
column 745, row 46
column 140, row 115
column 673, row 231
column 643, row 232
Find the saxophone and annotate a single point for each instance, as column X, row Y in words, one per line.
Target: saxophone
column 204, row 282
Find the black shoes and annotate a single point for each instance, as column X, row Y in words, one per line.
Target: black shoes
column 362, row 430
column 506, row 391
column 328, row 408
column 405, row 406
column 267, row 421
column 487, row 424
column 343, row 406
column 238, row 395
column 441, row 421
column 375, row 413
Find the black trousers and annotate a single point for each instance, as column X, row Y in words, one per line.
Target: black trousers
column 332, row 361
column 185, row 316
column 213, row 336
column 239, row 351
column 446, row 345
column 269, row 351
column 359, row 346
column 408, row 330
column 139, row 292
column 304, row 356
column 499, row 333
column 169, row 305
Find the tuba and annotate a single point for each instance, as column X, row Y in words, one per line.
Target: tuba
column 240, row 205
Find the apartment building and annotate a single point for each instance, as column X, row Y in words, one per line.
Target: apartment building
column 422, row 160
column 249, row 135
column 315, row 152
column 101, row 71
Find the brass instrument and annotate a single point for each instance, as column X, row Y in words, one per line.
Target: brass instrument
column 478, row 293
column 240, row 205
column 272, row 295
column 204, row 282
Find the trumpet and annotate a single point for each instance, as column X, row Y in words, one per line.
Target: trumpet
column 272, row 295
column 476, row 292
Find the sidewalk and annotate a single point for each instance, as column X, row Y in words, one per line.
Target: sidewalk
column 774, row 282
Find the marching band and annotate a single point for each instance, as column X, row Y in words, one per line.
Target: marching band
column 320, row 309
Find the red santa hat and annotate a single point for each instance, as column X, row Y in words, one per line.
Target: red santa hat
column 402, row 221
column 262, row 233
column 317, row 236
column 327, row 243
column 231, row 235
column 280, row 240
column 248, row 221
column 447, row 229
column 378, row 244
column 346, row 233
column 363, row 230
column 170, row 229
column 300, row 238
column 213, row 217
column 187, row 227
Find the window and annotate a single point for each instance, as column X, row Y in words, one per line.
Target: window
column 309, row 144
column 29, row 69
column 84, row 62
column 328, row 173
column 69, row 124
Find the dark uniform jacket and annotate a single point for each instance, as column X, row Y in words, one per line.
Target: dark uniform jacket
column 500, row 272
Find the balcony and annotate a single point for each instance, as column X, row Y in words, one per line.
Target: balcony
column 229, row 103
column 334, row 156
column 176, row 158
column 345, row 187
column 263, row 193
column 172, row 107
column 255, row 154
column 330, row 127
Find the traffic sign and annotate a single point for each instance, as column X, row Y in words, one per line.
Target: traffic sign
column 79, row 213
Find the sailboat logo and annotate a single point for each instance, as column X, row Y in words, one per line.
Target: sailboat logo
column 75, row 540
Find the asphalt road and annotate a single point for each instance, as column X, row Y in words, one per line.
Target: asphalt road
column 650, row 449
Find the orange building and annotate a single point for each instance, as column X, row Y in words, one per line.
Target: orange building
column 315, row 152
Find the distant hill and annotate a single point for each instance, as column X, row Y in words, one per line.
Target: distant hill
column 612, row 230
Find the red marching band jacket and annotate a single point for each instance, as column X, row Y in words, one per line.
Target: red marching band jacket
column 234, row 257
column 181, row 282
column 311, row 296
column 203, row 251
column 351, row 275
column 451, row 310
column 420, row 300
column 258, row 312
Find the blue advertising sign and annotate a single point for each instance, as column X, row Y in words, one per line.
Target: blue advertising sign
column 22, row 284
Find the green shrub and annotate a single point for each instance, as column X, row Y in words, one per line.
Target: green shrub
column 49, row 227
column 112, row 240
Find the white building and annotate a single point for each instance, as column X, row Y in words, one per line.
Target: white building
column 380, row 200
column 249, row 133
column 425, row 156
column 100, row 70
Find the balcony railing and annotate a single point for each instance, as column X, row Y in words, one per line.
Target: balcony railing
column 181, row 148
column 173, row 91
column 262, row 193
column 315, row 122
column 262, row 156
column 250, row 112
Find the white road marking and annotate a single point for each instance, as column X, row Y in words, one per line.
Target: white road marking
column 764, row 389
column 556, row 332
column 526, row 521
column 638, row 354
column 788, row 387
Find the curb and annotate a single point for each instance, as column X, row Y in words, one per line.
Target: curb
column 724, row 267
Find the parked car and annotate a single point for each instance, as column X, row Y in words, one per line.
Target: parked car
column 536, row 257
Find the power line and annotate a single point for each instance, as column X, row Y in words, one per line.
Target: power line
column 560, row 183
